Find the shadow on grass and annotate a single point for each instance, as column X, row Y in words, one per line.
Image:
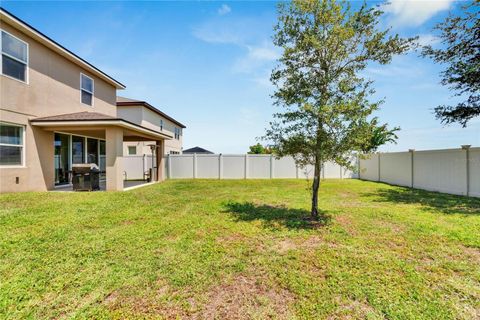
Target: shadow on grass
column 275, row 217
column 430, row 201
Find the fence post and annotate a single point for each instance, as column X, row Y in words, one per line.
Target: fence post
column 246, row 166
column 143, row 166
column 379, row 169
column 169, row 166
column 358, row 165
column 466, row 147
column 220, row 166
column 194, row 166
column 412, row 161
column 271, row 166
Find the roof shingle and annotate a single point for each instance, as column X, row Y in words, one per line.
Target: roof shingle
column 77, row 116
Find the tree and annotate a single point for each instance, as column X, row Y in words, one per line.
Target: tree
column 460, row 36
column 324, row 99
column 379, row 135
column 260, row 149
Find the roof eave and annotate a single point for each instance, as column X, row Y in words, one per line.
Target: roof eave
column 107, row 122
column 152, row 108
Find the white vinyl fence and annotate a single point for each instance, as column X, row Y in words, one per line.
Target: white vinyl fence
column 244, row 166
column 136, row 166
column 455, row 171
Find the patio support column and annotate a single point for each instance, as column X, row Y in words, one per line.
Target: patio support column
column 160, row 149
column 114, row 155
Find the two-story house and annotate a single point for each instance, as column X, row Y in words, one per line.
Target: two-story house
column 148, row 116
column 57, row 110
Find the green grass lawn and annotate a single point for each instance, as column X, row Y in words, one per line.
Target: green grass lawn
column 208, row 249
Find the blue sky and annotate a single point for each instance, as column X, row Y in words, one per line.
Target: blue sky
column 207, row 64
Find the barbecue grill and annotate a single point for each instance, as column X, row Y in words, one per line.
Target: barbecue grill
column 85, row 177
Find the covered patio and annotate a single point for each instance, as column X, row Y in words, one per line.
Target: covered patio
column 90, row 137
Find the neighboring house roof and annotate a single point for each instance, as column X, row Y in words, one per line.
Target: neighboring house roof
column 92, row 118
column 56, row 47
column 126, row 102
column 197, row 150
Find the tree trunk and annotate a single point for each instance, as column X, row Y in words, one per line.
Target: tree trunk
column 315, row 187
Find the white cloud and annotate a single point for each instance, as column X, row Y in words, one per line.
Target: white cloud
column 266, row 52
column 214, row 32
column 395, row 70
column 414, row 12
column 258, row 53
column 256, row 58
column 224, row 9
column 263, row 81
column 428, row 39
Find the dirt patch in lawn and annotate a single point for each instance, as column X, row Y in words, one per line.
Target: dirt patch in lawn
column 242, row 297
column 311, row 243
column 472, row 253
column 245, row 298
column 347, row 224
column 158, row 302
column 231, row 238
column 354, row 309
column 285, row 245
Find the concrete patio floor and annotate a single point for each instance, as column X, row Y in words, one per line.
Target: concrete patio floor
column 127, row 184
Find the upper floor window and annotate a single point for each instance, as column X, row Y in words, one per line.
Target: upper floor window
column 177, row 133
column 11, row 144
column 161, row 124
column 86, row 89
column 14, row 57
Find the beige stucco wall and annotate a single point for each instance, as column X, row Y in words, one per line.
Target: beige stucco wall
column 149, row 119
column 37, row 174
column 53, row 88
column 54, row 85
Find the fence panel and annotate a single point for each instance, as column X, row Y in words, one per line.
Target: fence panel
column 331, row 171
column 181, row 166
column 135, row 166
column 259, row 166
column 440, row 170
column 396, row 168
column 284, row 168
column 208, row 166
column 306, row 172
column 233, row 166
column 369, row 167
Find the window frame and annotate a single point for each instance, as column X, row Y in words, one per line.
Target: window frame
column 92, row 92
column 161, row 124
column 177, row 133
column 132, row 154
column 23, row 146
column 26, row 63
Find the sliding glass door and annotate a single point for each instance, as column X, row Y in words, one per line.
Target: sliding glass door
column 62, row 158
column 92, row 151
column 71, row 149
